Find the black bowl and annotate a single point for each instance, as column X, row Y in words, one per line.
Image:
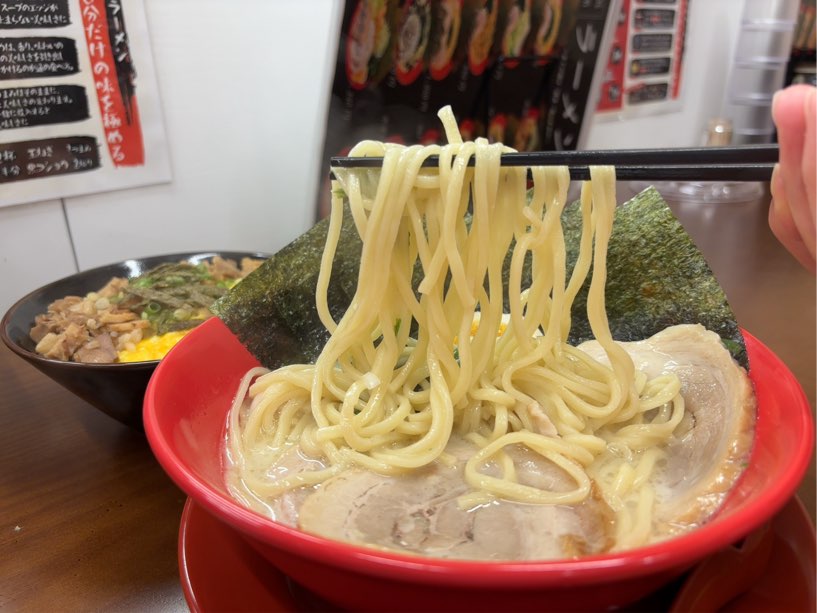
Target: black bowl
column 115, row 389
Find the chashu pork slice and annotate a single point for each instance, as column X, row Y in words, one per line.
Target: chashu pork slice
column 705, row 461
column 418, row 512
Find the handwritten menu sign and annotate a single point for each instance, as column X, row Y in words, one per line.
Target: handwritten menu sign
column 643, row 75
column 41, row 56
column 47, row 157
column 25, row 107
column 52, row 14
column 71, row 73
column 523, row 72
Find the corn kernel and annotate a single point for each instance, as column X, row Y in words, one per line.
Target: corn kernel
column 152, row 348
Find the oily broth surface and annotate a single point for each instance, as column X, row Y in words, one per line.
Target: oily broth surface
column 419, row 513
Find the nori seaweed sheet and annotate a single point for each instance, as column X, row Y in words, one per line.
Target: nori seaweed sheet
column 272, row 311
column 656, row 277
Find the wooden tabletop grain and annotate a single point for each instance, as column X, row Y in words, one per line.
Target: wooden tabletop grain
column 89, row 522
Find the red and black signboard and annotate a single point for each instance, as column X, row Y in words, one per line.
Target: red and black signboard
column 516, row 71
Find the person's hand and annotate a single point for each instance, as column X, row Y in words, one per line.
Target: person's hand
column 792, row 211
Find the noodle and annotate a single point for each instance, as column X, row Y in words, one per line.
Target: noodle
column 408, row 366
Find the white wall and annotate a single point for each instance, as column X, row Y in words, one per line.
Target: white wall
column 35, row 248
column 252, row 77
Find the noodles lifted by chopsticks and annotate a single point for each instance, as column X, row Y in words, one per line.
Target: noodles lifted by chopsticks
column 409, row 366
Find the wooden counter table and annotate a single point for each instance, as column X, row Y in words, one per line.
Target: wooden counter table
column 89, row 521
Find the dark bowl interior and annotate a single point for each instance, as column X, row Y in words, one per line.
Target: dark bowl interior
column 114, row 389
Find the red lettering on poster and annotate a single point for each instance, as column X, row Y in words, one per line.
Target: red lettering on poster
column 123, row 131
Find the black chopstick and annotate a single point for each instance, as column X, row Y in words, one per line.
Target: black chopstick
column 744, row 163
column 712, row 172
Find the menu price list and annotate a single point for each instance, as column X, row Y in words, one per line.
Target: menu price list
column 68, row 100
column 47, row 157
column 26, row 58
column 643, row 73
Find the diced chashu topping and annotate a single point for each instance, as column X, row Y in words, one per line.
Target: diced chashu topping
column 419, row 512
column 90, row 329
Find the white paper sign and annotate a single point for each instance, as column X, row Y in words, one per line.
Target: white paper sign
column 79, row 102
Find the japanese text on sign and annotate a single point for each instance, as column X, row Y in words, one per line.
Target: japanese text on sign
column 34, row 14
column 119, row 115
column 30, row 57
column 47, row 157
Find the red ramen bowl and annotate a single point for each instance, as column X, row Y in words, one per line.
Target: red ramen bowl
column 185, row 411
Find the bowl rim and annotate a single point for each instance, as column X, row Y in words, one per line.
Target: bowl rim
column 33, row 356
column 686, row 549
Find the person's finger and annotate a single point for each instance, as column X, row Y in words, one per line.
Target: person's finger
column 782, row 224
column 809, row 164
column 788, row 111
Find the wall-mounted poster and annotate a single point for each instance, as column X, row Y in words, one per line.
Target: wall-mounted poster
column 523, row 72
column 643, row 74
column 79, row 103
